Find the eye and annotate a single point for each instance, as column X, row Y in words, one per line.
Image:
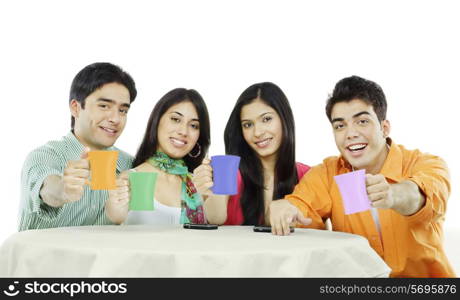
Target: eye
column 338, row 126
column 175, row 119
column 247, row 125
column 267, row 119
column 124, row 111
column 363, row 122
column 195, row 126
column 103, row 106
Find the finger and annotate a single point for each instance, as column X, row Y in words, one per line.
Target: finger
column 124, row 175
column 203, row 171
column 279, row 229
column 276, row 224
column 208, row 185
column 197, row 170
column 78, row 164
column 77, row 173
column 84, row 154
column 202, row 181
column 122, row 189
column 207, row 179
column 371, row 179
column 206, row 160
column 124, row 196
column 376, row 188
column 205, row 188
column 303, row 220
column 73, row 181
column 380, row 204
column 124, row 202
column 122, row 182
column 73, row 193
column 377, row 196
column 284, row 226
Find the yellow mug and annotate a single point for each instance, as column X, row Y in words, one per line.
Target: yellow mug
column 103, row 166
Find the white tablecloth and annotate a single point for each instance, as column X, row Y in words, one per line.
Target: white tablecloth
column 171, row 251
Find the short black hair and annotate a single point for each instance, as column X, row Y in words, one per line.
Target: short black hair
column 150, row 144
column 93, row 77
column 355, row 87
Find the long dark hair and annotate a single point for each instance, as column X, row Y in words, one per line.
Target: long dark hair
column 149, row 144
column 252, row 199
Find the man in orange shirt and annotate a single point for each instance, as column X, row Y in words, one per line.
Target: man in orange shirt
column 408, row 189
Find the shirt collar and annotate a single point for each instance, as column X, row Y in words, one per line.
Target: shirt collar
column 72, row 139
column 392, row 168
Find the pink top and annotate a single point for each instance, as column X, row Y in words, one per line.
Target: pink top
column 234, row 211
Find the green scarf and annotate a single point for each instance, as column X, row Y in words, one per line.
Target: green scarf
column 191, row 201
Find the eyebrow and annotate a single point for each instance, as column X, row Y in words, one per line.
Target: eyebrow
column 113, row 102
column 176, row 112
column 354, row 116
column 261, row 115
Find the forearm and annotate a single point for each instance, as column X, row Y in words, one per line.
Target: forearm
column 408, row 199
column 215, row 208
column 52, row 191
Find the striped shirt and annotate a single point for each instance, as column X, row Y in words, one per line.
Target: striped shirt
column 51, row 159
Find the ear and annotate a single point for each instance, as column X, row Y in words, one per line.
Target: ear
column 75, row 108
column 386, row 128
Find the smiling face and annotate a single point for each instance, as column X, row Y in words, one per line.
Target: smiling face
column 359, row 136
column 103, row 119
column 178, row 130
column 262, row 128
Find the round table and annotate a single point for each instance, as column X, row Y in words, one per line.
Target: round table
column 172, row 251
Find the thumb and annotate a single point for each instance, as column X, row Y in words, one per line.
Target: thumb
column 303, row 220
column 206, row 160
column 125, row 174
column 84, row 154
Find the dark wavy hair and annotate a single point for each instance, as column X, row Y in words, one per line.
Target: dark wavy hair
column 149, row 144
column 355, row 87
column 252, row 199
column 93, row 77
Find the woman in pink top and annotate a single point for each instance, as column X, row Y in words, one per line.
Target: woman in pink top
column 261, row 131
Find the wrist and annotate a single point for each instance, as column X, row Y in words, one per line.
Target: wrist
column 52, row 191
column 407, row 198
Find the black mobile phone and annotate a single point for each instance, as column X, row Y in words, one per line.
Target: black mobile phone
column 200, row 226
column 260, row 228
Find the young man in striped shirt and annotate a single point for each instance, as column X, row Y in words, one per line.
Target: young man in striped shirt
column 53, row 190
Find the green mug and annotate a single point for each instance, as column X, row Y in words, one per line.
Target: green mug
column 142, row 190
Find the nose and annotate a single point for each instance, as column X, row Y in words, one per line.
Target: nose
column 352, row 132
column 182, row 128
column 114, row 116
column 259, row 130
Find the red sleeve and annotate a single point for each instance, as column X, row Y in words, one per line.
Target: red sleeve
column 234, row 211
column 301, row 169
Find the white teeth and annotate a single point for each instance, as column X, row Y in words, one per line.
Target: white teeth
column 356, row 147
column 177, row 141
column 109, row 130
column 263, row 143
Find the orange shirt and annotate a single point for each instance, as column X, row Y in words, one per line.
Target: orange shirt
column 410, row 245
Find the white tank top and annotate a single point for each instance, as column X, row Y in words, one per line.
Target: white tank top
column 160, row 215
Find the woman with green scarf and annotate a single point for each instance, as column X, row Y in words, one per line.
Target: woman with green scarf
column 175, row 142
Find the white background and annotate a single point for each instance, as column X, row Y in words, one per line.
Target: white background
column 219, row 48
